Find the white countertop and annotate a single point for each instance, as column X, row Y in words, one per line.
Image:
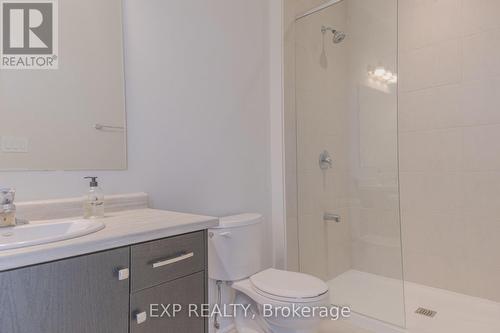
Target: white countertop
column 122, row 229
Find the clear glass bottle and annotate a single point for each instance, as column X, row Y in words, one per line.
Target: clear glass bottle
column 93, row 206
column 7, row 207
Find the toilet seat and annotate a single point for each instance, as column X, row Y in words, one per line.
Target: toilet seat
column 279, row 289
column 288, row 287
column 248, row 293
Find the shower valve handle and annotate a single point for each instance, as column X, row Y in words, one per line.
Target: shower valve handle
column 325, row 160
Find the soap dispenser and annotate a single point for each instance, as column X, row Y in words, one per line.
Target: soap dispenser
column 93, row 206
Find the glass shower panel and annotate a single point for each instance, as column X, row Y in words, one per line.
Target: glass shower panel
column 347, row 162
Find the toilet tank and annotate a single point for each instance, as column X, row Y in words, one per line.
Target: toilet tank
column 235, row 249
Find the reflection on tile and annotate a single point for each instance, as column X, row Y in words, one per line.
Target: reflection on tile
column 430, row 192
column 478, row 152
column 432, row 151
column 481, row 55
column 479, row 16
column 428, row 109
column 428, row 22
column 430, row 66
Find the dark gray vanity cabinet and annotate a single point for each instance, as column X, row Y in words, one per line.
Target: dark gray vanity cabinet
column 77, row 295
column 165, row 273
column 111, row 291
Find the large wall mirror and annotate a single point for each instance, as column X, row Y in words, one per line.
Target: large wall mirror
column 62, row 103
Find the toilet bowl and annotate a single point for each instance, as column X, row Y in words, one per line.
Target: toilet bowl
column 275, row 301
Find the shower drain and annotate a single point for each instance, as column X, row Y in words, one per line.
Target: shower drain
column 426, row 312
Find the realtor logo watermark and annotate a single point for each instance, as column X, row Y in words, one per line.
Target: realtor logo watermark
column 29, row 34
column 296, row 311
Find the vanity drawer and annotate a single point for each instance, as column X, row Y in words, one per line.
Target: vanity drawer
column 167, row 259
column 186, row 292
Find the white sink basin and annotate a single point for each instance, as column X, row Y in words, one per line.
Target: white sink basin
column 42, row 233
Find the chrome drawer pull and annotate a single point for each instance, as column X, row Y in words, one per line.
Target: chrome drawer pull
column 123, row 274
column 173, row 260
column 141, row 317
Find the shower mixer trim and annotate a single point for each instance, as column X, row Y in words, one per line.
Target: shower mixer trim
column 325, row 160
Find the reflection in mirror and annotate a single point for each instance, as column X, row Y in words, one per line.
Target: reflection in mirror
column 71, row 116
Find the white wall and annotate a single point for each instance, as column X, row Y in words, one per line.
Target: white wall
column 197, row 76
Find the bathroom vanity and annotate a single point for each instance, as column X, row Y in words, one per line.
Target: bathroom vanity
column 106, row 282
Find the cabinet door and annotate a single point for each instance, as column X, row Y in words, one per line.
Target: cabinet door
column 77, row 295
column 185, row 291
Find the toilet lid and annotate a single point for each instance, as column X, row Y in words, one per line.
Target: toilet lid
column 288, row 284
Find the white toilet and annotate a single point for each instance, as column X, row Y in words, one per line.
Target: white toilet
column 236, row 255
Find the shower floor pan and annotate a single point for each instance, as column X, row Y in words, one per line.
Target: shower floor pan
column 380, row 297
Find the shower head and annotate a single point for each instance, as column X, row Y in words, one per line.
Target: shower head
column 338, row 36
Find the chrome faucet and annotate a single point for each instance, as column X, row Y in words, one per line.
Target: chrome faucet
column 329, row 217
column 7, row 207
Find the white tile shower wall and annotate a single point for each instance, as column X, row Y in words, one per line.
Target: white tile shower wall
column 449, row 133
column 291, row 9
column 321, row 111
column 338, row 108
column 376, row 246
